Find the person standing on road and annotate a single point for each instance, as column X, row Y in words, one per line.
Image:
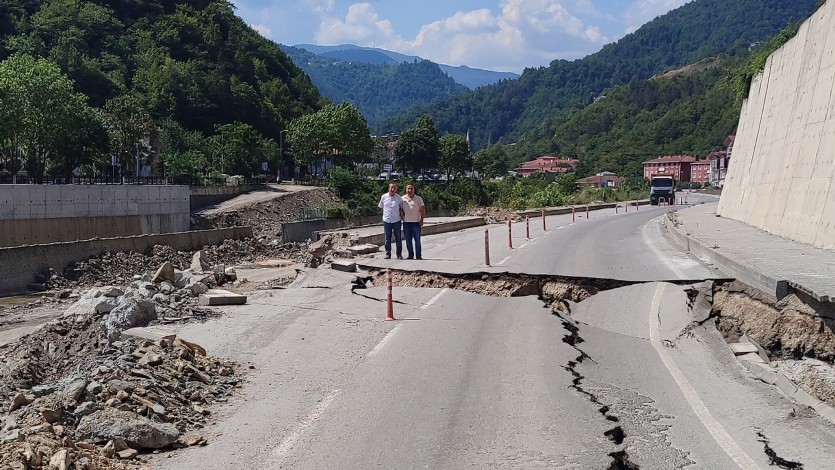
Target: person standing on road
column 414, row 211
column 391, row 203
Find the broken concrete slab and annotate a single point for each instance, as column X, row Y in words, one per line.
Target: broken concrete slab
column 215, row 297
column 826, row 412
column 767, row 375
column 344, row 265
column 363, row 249
column 787, row 386
column 150, row 333
column 751, row 357
column 747, row 339
column 742, row 348
column 803, row 398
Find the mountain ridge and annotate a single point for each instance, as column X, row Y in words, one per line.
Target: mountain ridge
column 471, row 77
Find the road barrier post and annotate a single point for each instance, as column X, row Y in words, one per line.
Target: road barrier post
column 390, row 301
column 509, row 235
column 616, row 208
column 573, row 217
column 685, row 199
column 527, row 228
column 543, row 221
column 626, row 206
column 587, row 212
column 637, row 205
column 487, row 247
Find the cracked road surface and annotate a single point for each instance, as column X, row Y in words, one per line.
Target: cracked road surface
column 632, row 378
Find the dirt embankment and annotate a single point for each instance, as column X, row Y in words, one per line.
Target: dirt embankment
column 797, row 332
column 266, row 217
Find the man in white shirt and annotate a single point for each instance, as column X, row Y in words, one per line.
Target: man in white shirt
column 391, row 203
column 414, row 211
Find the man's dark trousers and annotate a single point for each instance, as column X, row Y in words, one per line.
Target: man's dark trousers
column 393, row 227
column 412, row 230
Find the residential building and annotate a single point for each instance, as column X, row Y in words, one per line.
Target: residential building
column 719, row 161
column 607, row 179
column 700, row 171
column 676, row 165
column 547, row 164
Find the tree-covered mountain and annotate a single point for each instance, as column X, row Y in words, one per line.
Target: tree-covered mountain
column 543, row 97
column 380, row 90
column 470, row 77
column 192, row 65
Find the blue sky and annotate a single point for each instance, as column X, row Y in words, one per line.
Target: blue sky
column 503, row 35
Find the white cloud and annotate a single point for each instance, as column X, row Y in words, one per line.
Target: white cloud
column 642, row 11
column 262, row 30
column 361, row 25
column 523, row 33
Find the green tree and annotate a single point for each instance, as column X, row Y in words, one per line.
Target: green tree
column 238, row 148
column 334, row 130
column 418, row 148
column 128, row 125
column 491, row 161
column 41, row 113
column 455, row 153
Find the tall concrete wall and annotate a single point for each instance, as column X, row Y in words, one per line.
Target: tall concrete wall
column 783, row 164
column 35, row 214
column 21, row 263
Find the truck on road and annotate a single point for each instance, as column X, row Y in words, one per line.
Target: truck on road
column 662, row 188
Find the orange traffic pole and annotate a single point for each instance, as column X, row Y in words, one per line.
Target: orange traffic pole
column 390, row 301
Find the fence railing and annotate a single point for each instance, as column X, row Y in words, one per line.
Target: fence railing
column 132, row 180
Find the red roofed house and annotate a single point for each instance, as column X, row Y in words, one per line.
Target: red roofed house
column 607, row 179
column 547, row 164
column 700, row 171
column 676, row 165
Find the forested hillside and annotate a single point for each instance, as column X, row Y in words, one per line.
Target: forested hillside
column 543, row 97
column 190, row 66
column 380, row 91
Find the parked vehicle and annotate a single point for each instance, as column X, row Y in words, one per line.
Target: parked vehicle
column 662, row 188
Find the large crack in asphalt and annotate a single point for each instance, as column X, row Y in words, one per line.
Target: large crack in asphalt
column 555, row 292
column 774, row 459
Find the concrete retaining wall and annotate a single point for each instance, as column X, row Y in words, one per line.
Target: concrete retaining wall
column 308, row 229
column 36, row 214
column 21, row 263
column 783, row 161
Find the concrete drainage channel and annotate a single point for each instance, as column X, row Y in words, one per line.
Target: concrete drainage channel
column 790, row 331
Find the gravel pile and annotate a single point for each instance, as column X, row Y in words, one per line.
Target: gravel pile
column 266, row 218
column 493, row 215
column 76, row 399
column 123, row 267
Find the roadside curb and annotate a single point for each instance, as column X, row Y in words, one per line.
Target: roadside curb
column 766, row 374
column 703, row 251
column 749, row 275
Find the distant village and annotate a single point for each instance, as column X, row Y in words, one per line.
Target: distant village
column 694, row 171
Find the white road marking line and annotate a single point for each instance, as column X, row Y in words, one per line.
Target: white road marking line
column 524, row 245
column 434, row 299
column 719, row 434
column 306, row 424
column 383, row 341
column 660, row 255
column 502, row 261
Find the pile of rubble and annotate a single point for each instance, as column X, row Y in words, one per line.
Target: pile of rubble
column 121, row 268
column 80, row 394
column 266, row 218
column 493, row 215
